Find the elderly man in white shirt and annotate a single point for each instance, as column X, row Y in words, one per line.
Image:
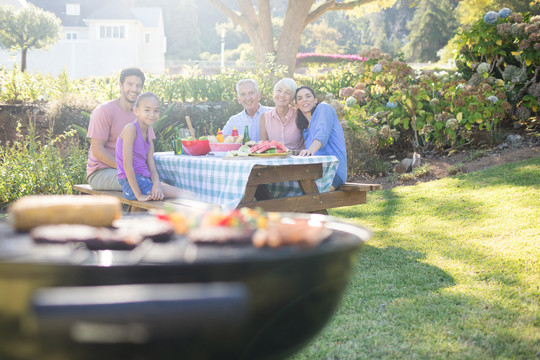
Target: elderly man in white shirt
column 248, row 96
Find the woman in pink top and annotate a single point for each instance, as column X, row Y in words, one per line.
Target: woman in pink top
column 280, row 123
column 137, row 172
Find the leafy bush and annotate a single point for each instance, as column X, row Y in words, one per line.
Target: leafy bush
column 506, row 47
column 192, row 86
column 425, row 110
column 29, row 167
column 68, row 111
column 18, row 87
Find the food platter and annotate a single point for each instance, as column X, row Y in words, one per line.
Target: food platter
column 254, row 156
column 281, row 155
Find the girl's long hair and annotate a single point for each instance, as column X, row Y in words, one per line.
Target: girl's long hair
column 301, row 120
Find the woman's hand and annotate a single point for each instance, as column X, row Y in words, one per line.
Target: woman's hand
column 310, row 151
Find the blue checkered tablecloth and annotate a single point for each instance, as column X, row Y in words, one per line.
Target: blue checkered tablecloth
column 223, row 182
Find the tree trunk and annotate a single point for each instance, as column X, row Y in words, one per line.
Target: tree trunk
column 289, row 39
column 258, row 26
column 23, row 59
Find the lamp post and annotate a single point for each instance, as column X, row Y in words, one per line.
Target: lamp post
column 222, row 50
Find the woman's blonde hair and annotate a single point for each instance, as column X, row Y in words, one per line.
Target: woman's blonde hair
column 288, row 83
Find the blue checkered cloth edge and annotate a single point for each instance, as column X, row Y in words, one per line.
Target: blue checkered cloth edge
column 223, row 182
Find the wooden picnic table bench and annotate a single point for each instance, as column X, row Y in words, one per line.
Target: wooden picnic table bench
column 138, row 206
column 256, row 196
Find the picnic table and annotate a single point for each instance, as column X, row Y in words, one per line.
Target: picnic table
column 295, row 184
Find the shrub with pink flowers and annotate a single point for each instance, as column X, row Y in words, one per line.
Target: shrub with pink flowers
column 425, row 111
column 505, row 47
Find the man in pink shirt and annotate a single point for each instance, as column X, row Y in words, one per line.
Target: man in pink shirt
column 106, row 123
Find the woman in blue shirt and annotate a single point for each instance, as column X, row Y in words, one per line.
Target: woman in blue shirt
column 322, row 131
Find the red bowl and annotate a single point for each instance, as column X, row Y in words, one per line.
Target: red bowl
column 222, row 147
column 196, row 147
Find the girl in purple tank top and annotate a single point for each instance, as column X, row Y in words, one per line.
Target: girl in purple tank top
column 137, row 172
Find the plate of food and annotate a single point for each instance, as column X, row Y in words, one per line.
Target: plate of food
column 275, row 154
column 269, row 149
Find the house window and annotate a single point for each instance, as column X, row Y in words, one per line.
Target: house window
column 112, row 32
column 73, row 9
column 71, row 36
column 147, row 38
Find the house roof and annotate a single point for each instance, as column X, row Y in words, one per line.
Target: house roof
column 112, row 10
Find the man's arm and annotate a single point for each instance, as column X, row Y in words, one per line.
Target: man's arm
column 98, row 149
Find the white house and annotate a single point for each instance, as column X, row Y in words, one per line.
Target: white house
column 101, row 37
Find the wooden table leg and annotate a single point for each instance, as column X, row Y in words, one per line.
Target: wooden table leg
column 250, row 193
column 308, row 186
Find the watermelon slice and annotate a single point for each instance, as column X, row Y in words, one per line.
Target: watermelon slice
column 265, row 146
column 279, row 146
column 255, row 148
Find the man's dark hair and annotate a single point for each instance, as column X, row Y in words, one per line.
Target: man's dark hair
column 131, row 72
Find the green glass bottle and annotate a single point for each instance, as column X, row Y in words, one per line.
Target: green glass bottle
column 246, row 135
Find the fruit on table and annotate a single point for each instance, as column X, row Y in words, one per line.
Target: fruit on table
column 243, row 151
column 268, row 147
column 279, row 146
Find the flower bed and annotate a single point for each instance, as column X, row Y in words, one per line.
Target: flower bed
column 327, row 58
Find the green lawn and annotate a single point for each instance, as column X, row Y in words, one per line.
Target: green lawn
column 452, row 272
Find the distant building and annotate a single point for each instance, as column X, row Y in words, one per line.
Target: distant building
column 99, row 38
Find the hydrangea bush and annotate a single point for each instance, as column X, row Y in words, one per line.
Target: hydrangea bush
column 428, row 111
column 505, row 47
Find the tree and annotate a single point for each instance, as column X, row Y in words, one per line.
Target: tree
column 469, row 11
column 432, row 26
column 183, row 30
column 321, row 38
column 182, row 27
column 27, row 28
column 257, row 23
